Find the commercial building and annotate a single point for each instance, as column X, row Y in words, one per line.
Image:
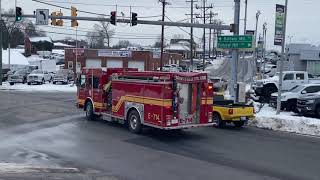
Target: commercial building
column 96, row 58
column 304, row 57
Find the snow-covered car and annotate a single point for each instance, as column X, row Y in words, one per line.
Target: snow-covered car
column 19, row 76
column 63, row 76
column 289, row 99
column 39, row 77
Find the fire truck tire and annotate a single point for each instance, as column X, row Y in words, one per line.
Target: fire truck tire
column 134, row 122
column 90, row 116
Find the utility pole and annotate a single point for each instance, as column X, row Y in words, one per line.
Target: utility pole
column 282, row 57
column 205, row 8
column 1, row 45
column 164, row 3
column 264, row 48
column 191, row 35
column 245, row 16
column 235, row 52
column 255, row 40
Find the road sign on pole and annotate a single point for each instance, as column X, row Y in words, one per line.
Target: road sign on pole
column 235, row 42
column 42, row 16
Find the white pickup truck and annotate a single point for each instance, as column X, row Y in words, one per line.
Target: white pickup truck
column 265, row 87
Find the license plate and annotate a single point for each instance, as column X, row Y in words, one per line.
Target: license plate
column 243, row 118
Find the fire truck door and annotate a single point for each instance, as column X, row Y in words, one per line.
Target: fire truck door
column 95, row 92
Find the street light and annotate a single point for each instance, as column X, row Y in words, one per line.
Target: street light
column 255, row 41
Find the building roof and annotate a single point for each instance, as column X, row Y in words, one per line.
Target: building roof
column 297, row 48
column 177, row 47
column 38, row 39
column 16, row 58
column 62, row 44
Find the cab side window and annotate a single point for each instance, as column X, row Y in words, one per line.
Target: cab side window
column 300, row 76
column 82, row 81
column 95, row 82
column 288, row 77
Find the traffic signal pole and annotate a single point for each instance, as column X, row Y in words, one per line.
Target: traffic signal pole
column 127, row 21
column 235, row 53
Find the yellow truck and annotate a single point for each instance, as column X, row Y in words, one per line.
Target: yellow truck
column 226, row 112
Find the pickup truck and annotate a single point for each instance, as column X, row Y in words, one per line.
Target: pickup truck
column 224, row 111
column 289, row 99
column 265, row 87
column 309, row 104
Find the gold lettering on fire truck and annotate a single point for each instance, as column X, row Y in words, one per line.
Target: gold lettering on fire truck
column 153, row 116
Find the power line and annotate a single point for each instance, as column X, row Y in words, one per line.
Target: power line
column 182, row 28
column 72, row 34
column 69, row 8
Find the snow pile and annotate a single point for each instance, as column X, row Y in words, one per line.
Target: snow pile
column 286, row 121
column 45, row 87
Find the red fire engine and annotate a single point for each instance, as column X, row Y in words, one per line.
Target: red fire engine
column 164, row 100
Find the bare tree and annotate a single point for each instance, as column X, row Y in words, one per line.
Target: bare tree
column 94, row 40
column 13, row 34
column 105, row 29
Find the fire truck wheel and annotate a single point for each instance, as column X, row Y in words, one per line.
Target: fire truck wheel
column 89, row 112
column 134, row 122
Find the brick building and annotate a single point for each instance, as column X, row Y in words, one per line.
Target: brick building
column 95, row 58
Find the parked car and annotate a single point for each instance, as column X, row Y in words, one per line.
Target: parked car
column 265, row 87
column 5, row 74
column 19, row 76
column 39, row 77
column 309, row 104
column 289, row 99
column 63, row 76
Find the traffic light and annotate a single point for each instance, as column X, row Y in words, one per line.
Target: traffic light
column 60, row 21
column 53, row 18
column 18, row 14
column 113, row 18
column 232, row 28
column 134, row 19
column 74, row 22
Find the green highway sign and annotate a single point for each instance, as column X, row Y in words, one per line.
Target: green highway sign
column 235, row 42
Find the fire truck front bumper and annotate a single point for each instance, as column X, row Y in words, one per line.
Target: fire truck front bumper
column 187, row 126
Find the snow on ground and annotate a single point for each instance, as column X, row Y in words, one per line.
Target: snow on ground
column 286, row 121
column 215, row 64
column 48, row 87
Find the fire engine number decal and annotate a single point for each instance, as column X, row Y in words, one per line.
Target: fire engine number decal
column 153, row 116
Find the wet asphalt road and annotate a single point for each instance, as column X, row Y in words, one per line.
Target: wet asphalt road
column 46, row 130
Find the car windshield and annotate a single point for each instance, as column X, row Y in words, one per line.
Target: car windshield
column 297, row 89
column 20, row 72
column 37, row 72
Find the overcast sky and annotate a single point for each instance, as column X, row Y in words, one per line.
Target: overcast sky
column 303, row 17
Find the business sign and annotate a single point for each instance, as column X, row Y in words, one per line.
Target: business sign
column 78, row 51
column 235, row 42
column 279, row 25
column 42, row 16
column 114, row 53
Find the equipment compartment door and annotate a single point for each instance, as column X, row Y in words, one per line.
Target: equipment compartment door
column 189, row 103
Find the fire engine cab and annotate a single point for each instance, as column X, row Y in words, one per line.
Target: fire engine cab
column 164, row 100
